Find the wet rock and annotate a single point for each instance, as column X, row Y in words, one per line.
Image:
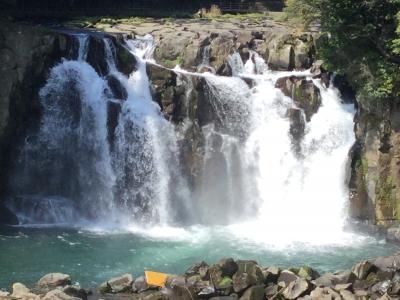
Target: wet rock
column 362, row 269
column 53, row 280
column 296, row 288
column 248, row 274
column 286, row 277
column 271, row 274
column 159, row 295
column 76, row 291
column 305, row 94
column 20, row 291
column 125, row 60
column 140, row 285
column 117, row 284
column 96, row 54
column 228, row 266
column 58, row 295
column 297, row 123
column 254, row 293
column 195, row 269
column 117, row 90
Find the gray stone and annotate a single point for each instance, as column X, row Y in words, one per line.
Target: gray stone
column 248, row 274
column 388, row 263
column 296, row 289
column 286, row 277
column 254, row 293
column 140, row 285
column 381, row 287
column 362, row 269
column 271, row 290
column 271, row 274
column 53, row 280
column 194, row 269
column 117, row 284
column 20, row 291
column 76, row 291
column 228, row 266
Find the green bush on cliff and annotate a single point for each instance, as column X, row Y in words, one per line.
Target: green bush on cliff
column 360, row 39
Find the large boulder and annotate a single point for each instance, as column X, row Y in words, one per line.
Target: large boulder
column 286, row 277
column 20, row 291
column 303, row 92
column 362, row 269
column 116, row 285
column 195, row 269
column 281, row 58
column 271, row 274
column 248, row 274
column 254, row 293
column 296, row 289
column 76, row 291
column 388, row 263
column 54, row 280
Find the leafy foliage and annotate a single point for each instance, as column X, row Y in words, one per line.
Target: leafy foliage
column 361, row 38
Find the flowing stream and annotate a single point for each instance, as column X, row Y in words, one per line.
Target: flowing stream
column 95, row 202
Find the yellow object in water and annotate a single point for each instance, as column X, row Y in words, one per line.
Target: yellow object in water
column 156, row 278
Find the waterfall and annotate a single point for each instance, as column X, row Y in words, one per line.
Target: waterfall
column 105, row 153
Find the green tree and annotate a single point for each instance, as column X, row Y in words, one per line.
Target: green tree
column 361, row 38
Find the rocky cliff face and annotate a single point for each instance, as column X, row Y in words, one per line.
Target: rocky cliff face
column 26, row 55
column 375, row 180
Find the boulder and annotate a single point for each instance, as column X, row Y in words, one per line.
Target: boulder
column 388, row 263
column 116, row 285
column 271, row 274
column 195, row 269
column 228, row 266
column 331, row 279
column 303, row 92
column 282, row 58
column 125, row 60
column 248, row 274
column 381, row 288
column 140, row 285
column 116, row 88
column 96, row 54
column 307, row 273
column 58, row 295
column 286, row 277
column 271, row 290
column 76, row 291
column 362, row 269
column 296, row 288
column 254, row 293
column 53, row 280
column 20, row 291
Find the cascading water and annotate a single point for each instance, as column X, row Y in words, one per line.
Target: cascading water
column 71, row 158
column 251, row 175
